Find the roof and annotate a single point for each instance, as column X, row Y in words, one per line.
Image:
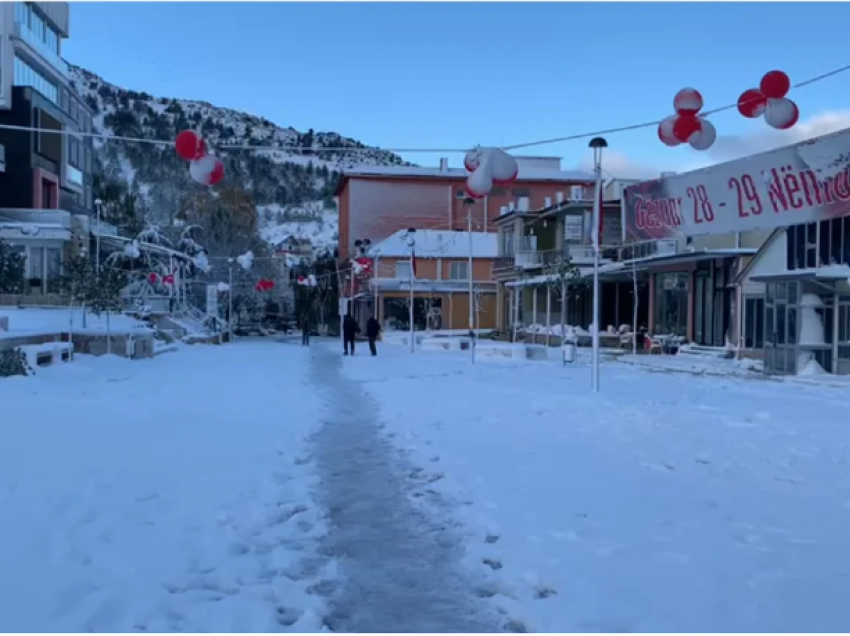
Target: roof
column 526, row 173
column 740, row 278
column 439, row 244
column 555, row 209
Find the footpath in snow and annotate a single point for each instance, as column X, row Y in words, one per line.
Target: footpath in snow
column 172, row 494
column 400, row 566
column 670, row 502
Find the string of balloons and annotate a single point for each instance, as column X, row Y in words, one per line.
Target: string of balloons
column 751, row 100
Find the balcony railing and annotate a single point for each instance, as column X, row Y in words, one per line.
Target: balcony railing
column 40, row 47
column 73, row 175
column 647, row 249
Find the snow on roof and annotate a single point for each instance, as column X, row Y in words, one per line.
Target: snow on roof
column 439, row 244
column 526, row 173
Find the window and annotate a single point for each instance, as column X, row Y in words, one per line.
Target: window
column 35, row 262
column 671, row 304
column 754, row 323
column 22, row 13
column 403, row 270
column 458, row 270
column 54, row 262
column 25, row 75
column 75, row 152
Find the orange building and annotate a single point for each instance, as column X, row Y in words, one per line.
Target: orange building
column 377, row 202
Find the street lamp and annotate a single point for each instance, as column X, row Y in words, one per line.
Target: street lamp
column 597, row 144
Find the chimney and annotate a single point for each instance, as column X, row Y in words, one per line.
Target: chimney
column 503, row 210
column 444, row 164
column 511, row 206
column 547, row 202
column 522, row 204
column 559, row 197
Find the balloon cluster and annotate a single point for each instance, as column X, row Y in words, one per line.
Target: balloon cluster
column 686, row 126
column 362, row 266
column 264, row 285
column 307, row 281
column 769, row 100
column 204, row 168
column 488, row 166
column 153, row 279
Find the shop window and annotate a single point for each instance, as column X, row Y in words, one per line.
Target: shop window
column 671, row 303
column 754, row 323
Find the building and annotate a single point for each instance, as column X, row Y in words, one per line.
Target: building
column 534, row 244
column 295, row 247
column 441, row 298
column 46, row 187
column 374, row 202
column 795, row 296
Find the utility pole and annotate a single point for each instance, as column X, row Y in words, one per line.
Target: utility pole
column 411, row 242
column 472, row 334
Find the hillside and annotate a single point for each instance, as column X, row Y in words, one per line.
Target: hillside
column 292, row 188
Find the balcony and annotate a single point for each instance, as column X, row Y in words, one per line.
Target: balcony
column 49, row 57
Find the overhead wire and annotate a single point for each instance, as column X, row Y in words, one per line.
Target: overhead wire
column 366, row 149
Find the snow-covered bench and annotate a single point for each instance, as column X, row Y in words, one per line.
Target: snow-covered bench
column 43, row 355
column 443, row 344
column 706, row 352
column 515, row 351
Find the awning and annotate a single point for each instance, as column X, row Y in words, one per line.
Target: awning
column 829, row 274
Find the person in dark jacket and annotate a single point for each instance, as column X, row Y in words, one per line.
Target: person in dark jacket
column 305, row 331
column 373, row 330
column 350, row 329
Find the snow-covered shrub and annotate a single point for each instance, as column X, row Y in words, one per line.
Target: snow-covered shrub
column 14, row 362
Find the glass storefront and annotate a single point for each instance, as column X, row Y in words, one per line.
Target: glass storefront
column 800, row 330
column 671, row 303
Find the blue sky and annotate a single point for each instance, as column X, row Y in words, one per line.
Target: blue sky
column 458, row 74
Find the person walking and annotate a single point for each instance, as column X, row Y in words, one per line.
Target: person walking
column 373, row 330
column 305, row 331
column 350, row 329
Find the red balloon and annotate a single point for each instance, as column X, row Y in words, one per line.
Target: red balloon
column 775, row 85
column 217, row 173
column 190, row 145
column 153, row 278
column 685, row 126
column 751, row 103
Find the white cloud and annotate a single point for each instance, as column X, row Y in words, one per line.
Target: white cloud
column 726, row 148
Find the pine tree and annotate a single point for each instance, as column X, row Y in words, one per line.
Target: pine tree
column 12, row 269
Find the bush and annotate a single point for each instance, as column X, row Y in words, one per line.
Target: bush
column 14, row 362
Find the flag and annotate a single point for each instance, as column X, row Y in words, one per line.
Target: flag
column 413, row 262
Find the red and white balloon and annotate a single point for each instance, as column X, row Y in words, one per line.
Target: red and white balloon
column 488, row 167
column 308, row 281
column 204, row 168
column 686, row 126
column 769, row 100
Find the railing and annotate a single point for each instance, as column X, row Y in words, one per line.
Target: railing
column 526, row 259
column 40, row 47
column 503, row 263
column 645, row 249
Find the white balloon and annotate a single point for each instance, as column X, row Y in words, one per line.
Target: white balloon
column 704, row 138
column 504, row 167
column 665, row 131
column 471, row 160
column 781, row 113
column 479, row 183
column 201, row 169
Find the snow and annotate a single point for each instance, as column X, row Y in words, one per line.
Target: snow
column 265, row 486
column 25, row 322
column 169, row 494
column 667, row 503
column 312, row 221
column 439, row 244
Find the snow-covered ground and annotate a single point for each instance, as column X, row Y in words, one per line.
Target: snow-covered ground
column 668, row 502
column 264, row 486
column 170, row 494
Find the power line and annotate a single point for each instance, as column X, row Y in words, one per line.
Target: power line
column 350, row 150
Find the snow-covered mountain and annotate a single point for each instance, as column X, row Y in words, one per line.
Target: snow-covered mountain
column 292, row 188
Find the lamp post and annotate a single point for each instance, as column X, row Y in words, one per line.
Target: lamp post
column 98, row 207
column 597, row 144
column 411, row 243
column 469, row 202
